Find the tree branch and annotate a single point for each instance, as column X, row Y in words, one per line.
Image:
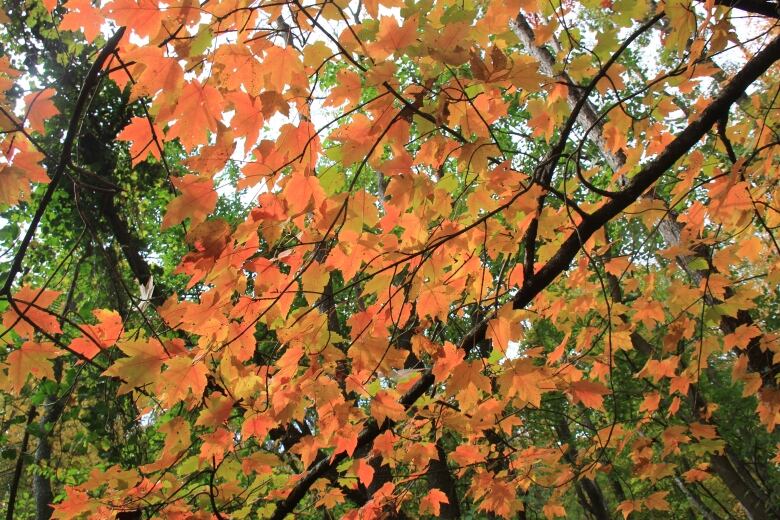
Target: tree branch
column 761, row 7
column 19, row 465
column 566, row 253
column 87, row 89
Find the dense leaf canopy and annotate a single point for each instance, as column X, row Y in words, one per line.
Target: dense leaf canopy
column 390, row 259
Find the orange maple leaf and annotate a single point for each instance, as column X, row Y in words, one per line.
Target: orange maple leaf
column 364, row 471
column 386, row 405
column 82, row 16
column 139, row 134
column 100, row 336
column 40, row 108
column 197, row 200
column 142, row 365
column 21, row 168
column 144, row 17
column 31, row 304
column 431, row 503
column 302, row 190
column 182, row 377
column 31, row 359
column 588, row 393
column 197, row 113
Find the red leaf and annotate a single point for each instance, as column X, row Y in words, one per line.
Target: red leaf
column 364, row 472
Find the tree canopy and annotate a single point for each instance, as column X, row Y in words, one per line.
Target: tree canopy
column 390, row 259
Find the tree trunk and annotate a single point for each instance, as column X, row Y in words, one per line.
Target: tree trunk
column 755, row 506
column 591, row 498
column 695, row 501
column 439, row 477
column 17, row 477
column 54, row 406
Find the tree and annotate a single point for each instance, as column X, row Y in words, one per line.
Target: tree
column 390, row 259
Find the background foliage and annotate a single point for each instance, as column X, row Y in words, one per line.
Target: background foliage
column 389, row 259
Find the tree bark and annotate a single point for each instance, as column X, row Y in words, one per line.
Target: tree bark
column 440, row 477
column 754, row 506
column 695, row 501
column 54, row 406
column 17, row 477
column 592, row 498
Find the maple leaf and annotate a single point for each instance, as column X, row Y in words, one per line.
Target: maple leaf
column 197, row 200
column 741, row 337
column 31, row 359
column 696, row 475
column 657, row 501
column 14, row 184
column 142, row 365
column 249, row 117
column 386, row 405
column 283, row 67
column 142, row 16
column 238, row 66
column 40, row 108
column 434, row 301
column 504, row 329
column 215, row 445
column 526, row 380
column 364, row 471
column 553, row 511
column 257, row 425
column 177, row 440
column 589, row 393
column 98, row 337
column 393, row 38
column 659, row 369
column 346, row 441
column 182, row 377
column 650, row 403
column 31, row 304
column 500, row 500
column 217, row 411
column 82, row 16
column 467, row 381
column 301, row 190
column 703, row 431
column 648, row 312
column 154, row 74
column 542, row 121
column 627, row 507
column 139, row 133
column 17, row 173
column 197, row 113
column 383, row 444
column 347, row 91
column 431, row 503
column 448, row 358
column 76, row 503
column 260, row 463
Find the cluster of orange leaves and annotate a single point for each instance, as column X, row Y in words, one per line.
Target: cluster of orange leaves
column 407, row 255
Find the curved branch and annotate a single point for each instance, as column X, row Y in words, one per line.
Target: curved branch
column 87, row 89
